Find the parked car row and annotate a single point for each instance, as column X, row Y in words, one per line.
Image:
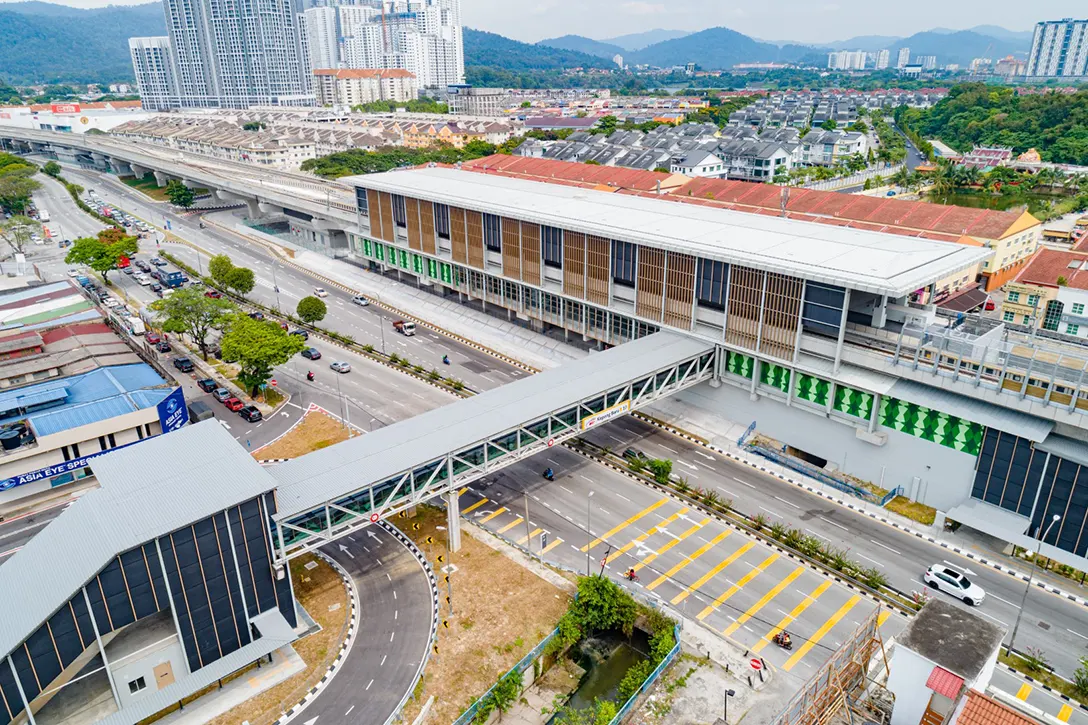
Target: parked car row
column 249, row 412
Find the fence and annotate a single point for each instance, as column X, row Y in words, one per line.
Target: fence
column 468, row 715
column 823, row 476
column 668, row 660
column 857, row 179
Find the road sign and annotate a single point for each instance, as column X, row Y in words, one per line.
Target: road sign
column 551, row 442
column 543, row 540
column 374, row 518
column 272, row 382
column 756, row 663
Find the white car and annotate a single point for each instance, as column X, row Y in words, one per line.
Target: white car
column 953, row 581
column 341, row 367
column 112, row 302
column 320, row 292
column 143, row 279
column 73, row 273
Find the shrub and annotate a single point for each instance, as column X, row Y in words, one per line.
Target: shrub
column 711, row 498
column 418, row 369
column 759, row 521
column 661, row 468
column 1035, row 659
column 394, row 358
column 637, row 465
column 434, row 376
column 457, row 385
column 1080, row 677
column 837, row 559
column 368, row 349
column 778, row 530
column 634, row 678
column 404, row 362
column 873, row 578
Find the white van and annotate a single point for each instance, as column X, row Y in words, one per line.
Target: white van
column 136, row 325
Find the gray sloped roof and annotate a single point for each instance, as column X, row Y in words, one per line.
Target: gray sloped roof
column 147, row 489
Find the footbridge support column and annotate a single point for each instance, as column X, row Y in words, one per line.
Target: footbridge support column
column 161, row 179
column 453, row 521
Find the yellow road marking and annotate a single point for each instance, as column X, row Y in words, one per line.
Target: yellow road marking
column 511, row 525
column 743, row 582
column 1023, row 692
column 695, row 555
column 625, row 524
column 883, row 617
column 671, row 544
column 821, row 632
column 764, row 600
column 525, row 539
column 1065, row 713
column 794, row 614
column 462, row 491
column 473, row 507
column 493, row 514
column 713, row 572
column 551, row 546
column 653, row 530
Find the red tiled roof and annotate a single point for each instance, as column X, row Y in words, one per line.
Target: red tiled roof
column 554, row 171
column 45, row 297
column 86, row 328
column 945, row 683
column 982, row 710
column 1046, row 265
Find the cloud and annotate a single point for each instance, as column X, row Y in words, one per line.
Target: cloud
column 640, row 7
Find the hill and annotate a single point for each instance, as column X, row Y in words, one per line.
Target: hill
column 490, row 49
column 715, row 48
column 960, row 46
column 582, row 44
column 42, row 42
column 638, row 41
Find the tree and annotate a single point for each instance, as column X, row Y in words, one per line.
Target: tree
column 606, row 712
column 220, row 268
column 257, row 347
column 506, row 692
column 16, row 232
column 253, row 126
column 241, row 280
column 179, row 194
column 661, row 468
column 829, row 125
column 188, row 311
column 859, row 126
column 606, row 125
column 601, row 605
column 102, row 253
column 311, row 309
column 52, row 168
column 16, row 189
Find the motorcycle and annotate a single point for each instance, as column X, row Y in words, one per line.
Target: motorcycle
column 630, row 575
column 310, row 377
column 202, row 225
column 445, row 359
column 549, row 474
column 783, row 640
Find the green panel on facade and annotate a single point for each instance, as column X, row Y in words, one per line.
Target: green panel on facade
column 812, row 389
column 368, row 248
column 417, row 264
column 853, row 402
column 432, row 269
column 447, row 274
column 932, row 425
column 403, row 257
column 379, row 252
column 775, row 376
column 738, row 364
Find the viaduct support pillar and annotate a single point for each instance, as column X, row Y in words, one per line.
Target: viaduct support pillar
column 161, row 179
column 453, row 521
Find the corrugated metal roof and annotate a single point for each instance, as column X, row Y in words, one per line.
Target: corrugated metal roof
column 330, row 473
column 1003, row 419
column 1066, row 448
column 199, row 469
column 869, row 261
column 18, row 399
column 50, row 422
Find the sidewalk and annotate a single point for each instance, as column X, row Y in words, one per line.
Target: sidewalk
column 542, row 352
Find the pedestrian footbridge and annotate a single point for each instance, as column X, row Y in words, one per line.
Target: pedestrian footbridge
column 333, row 492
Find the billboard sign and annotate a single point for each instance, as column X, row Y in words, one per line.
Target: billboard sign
column 606, row 415
column 66, row 467
column 172, row 411
column 64, row 107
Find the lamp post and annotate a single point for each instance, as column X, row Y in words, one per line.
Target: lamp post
column 728, row 694
column 589, row 530
column 1034, row 564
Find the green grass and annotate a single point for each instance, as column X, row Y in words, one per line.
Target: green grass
column 149, row 187
column 912, row 510
column 1047, row 678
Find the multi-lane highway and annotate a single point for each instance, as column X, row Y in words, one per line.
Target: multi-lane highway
column 744, row 580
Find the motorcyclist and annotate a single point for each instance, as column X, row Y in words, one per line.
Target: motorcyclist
column 549, row 474
column 445, row 359
column 784, row 640
column 309, row 376
column 630, row 574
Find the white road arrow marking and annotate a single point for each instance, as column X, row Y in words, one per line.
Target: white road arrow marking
column 285, row 414
column 345, row 550
column 311, row 721
column 372, row 535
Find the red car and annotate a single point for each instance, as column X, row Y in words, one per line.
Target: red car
column 233, row 404
column 214, row 294
column 153, row 338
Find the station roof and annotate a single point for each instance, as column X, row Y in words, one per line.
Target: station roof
column 881, row 263
column 130, row 508
column 309, row 481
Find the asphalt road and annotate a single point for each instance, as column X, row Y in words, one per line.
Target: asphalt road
column 1057, row 626
column 391, row 634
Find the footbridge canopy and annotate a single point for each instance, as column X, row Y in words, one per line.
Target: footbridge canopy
column 330, row 493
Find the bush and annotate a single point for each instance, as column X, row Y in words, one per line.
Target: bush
column 778, row 530
column 394, row 358
column 457, row 385
column 368, row 348
column 633, row 679
column 759, row 521
column 1036, row 659
column 661, row 468
column 311, row 309
column 418, row 369
column 434, row 376
column 1080, row 677
column 873, row 578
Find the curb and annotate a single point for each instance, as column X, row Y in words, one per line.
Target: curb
column 345, row 648
column 1048, row 688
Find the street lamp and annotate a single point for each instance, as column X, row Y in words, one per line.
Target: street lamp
column 1034, row 564
column 728, row 694
column 589, row 529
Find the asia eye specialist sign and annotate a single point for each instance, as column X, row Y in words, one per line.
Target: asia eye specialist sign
column 172, row 411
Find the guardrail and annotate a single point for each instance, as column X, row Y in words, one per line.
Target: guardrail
column 523, row 664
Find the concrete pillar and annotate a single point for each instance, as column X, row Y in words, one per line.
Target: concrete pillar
column 253, row 209
column 453, row 521
column 876, row 411
column 161, row 179
column 842, row 330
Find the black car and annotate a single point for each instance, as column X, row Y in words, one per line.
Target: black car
column 164, row 346
column 128, row 270
column 184, row 364
column 155, row 287
column 634, row 454
column 258, row 316
column 207, row 385
column 142, row 265
column 301, row 333
column 311, row 353
column 250, row 413
column 158, row 261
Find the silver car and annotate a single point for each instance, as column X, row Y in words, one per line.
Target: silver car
column 341, row 367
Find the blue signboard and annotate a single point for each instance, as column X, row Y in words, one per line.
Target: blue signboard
column 172, row 411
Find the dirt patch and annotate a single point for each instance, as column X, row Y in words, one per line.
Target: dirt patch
column 316, row 430
column 501, row 611
column 912, row 510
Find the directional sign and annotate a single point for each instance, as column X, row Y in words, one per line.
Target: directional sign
column 430, row 539
column 756, row 663
column 434, row 648
column 543, row 540
column 345, row 550
column 374, row 518
column 446, row 623
column 441, row 559
column 415, row 527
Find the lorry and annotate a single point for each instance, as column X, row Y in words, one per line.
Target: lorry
column 408, row 329
column 173, row 280
column 136, row 325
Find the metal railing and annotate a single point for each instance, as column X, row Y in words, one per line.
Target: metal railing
column 822, row 476
column 523, row 664
column 649, row 681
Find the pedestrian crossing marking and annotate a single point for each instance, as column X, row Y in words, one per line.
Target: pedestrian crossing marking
column 796, row 612
column 754, row 609
column 821, row 632
column 741, row 583
column 695, row 555
column 713, row 572
column 624, row 524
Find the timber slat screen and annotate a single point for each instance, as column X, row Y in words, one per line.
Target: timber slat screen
column 458, row 236
column 385, row 202
column 414, row 237
column 745, row 299
column 373, row 202
column 781, row 309
column 679, row 290
column 530, row 253
column 598, row 264
column 511, row 248
column 574, row 264
column 651, row 283
column 474, row 221
column 426, row 219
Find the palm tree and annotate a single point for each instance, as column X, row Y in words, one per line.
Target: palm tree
column 901, row 177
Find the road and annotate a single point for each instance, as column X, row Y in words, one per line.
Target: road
column 1057, row 626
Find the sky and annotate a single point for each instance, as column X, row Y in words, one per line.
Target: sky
column 808, row 21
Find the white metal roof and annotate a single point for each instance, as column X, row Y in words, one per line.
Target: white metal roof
column 877, row 262
column 307, row 482
column 146, row 490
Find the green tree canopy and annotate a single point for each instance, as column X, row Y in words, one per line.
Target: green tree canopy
column 311, row 309
column 16, row 232
column 219, row 268
column 829, row 125
column 253, row 126
column 357, row 161
column 222, row 270
column 179, row 194
column 241, row 280
column 188, row 311
column 257, row 347
column 102, row 253
column 52, row 168
column 16, row 186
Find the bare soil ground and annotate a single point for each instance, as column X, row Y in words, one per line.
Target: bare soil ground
column 316, row 430
column 501, row 611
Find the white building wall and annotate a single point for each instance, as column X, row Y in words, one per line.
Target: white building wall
column 322, row 40
column 909, row 672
